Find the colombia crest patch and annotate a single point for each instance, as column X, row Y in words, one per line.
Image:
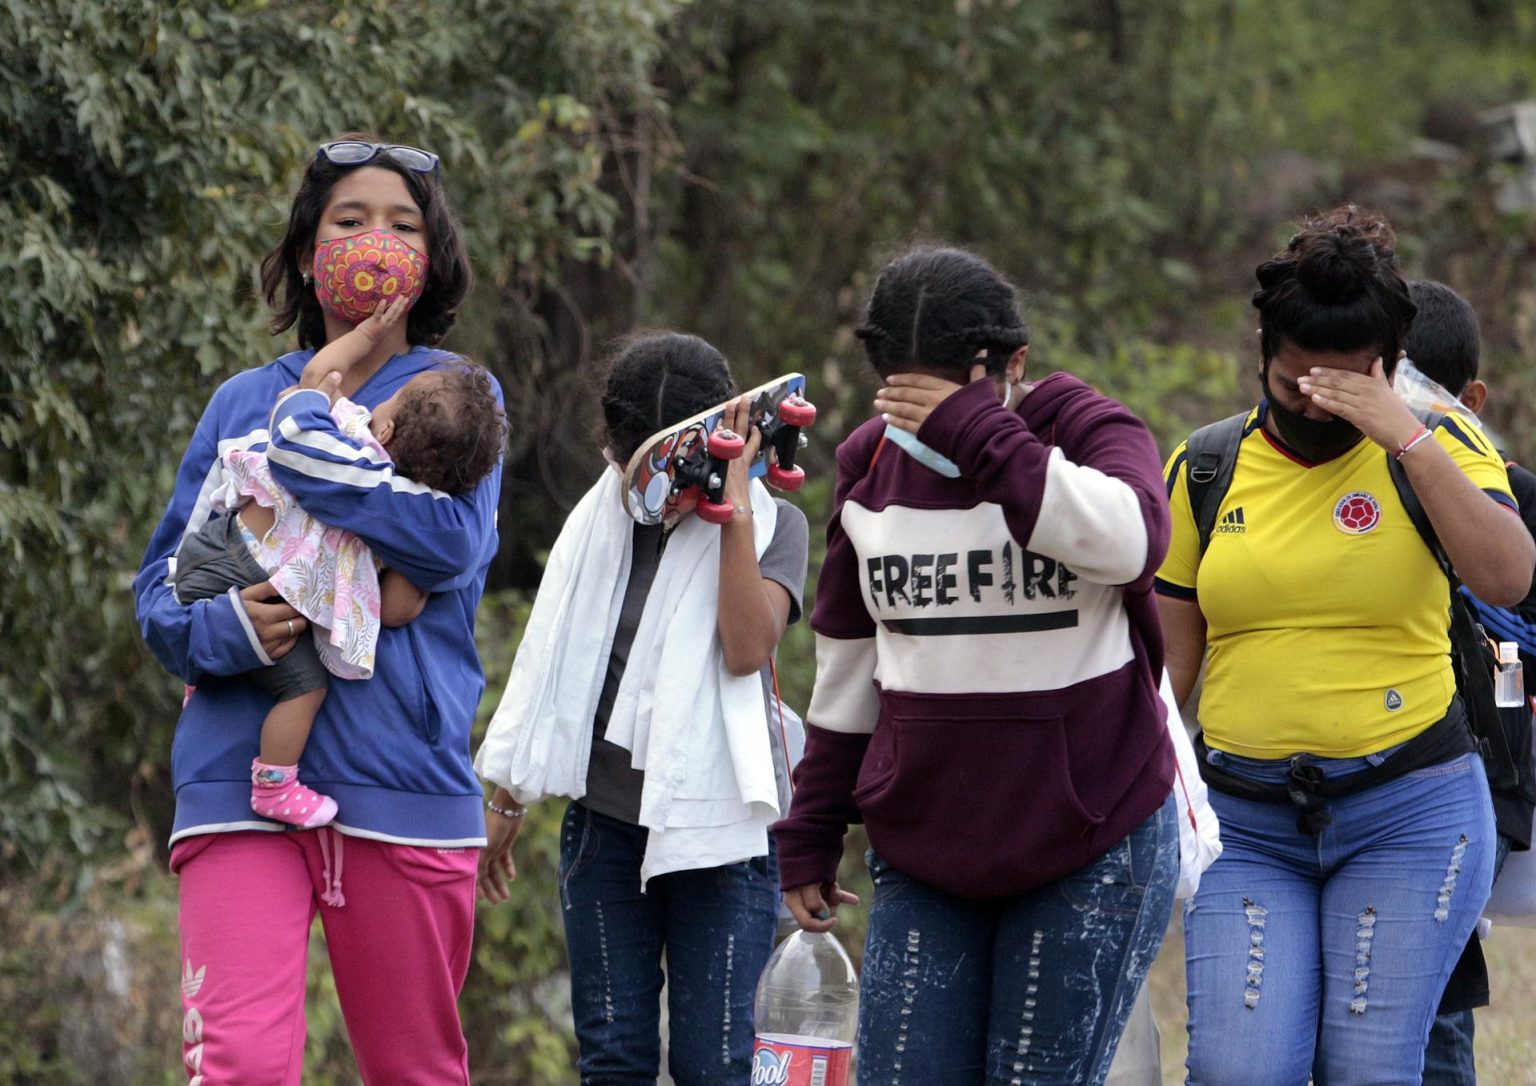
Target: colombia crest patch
column 1356, row 513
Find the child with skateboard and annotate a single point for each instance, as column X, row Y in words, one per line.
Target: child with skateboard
column 641, row 690
column 443, row 430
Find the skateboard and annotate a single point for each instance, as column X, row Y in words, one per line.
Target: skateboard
column 695, row 454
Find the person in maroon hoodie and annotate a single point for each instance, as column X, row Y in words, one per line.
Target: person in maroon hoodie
column 988, row 657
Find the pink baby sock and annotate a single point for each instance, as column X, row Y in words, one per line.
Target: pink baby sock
column 276, row 792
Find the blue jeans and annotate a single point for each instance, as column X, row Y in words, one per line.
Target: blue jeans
column 1448, row 1059
column 1335, row 946
column 1026, row 990
column 715, row 926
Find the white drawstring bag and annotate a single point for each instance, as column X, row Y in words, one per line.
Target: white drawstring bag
column 1199, row 831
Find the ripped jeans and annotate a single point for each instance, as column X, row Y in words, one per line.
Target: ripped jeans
column 1327, row 955
column 1021, row 991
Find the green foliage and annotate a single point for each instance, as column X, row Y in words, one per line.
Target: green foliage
column 737, row 169
column 517, row 1000
column 150, row 150
column 89, row 984
column 146, row 170
column 1056, row 141
column 1114, row 159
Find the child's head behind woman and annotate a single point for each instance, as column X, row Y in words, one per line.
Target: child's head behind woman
column 657, row 379
column 935, row 309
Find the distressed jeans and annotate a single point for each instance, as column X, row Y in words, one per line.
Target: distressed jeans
column 715, row 926
column 1020, row 991
column 1335, row 946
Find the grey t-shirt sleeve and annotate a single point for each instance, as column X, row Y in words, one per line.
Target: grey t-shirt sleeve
column 784, row 561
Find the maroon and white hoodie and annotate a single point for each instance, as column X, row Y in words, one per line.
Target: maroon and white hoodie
column 987, row 647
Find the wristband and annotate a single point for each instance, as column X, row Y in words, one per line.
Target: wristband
column 1419, row 435
column 505, row 812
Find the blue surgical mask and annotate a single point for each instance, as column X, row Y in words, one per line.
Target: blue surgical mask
column 924, row 455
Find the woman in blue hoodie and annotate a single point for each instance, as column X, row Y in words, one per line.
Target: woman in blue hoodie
column 393, row 750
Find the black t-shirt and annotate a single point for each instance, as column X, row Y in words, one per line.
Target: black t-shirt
column 613, row 785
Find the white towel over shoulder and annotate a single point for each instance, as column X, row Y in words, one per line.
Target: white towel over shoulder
column 699, row 732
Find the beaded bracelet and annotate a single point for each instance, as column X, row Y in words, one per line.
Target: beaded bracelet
column 505, row 812
column 1419, row 435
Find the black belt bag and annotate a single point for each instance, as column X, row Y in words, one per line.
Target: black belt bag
column 1308, row 790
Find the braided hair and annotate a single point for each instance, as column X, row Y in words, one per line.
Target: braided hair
column 657, row 379
column 936, row 309
column 1336, row 286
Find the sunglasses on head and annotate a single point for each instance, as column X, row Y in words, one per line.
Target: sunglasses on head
column 359, row 152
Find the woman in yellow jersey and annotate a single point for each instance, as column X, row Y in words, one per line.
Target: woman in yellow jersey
column 1355, row 816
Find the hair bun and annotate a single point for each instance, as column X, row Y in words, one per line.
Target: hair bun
column 1335, row 286
column 1340, row 253
column 1337, row 265
column 1273, row 272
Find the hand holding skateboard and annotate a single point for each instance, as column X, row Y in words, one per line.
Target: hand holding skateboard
column 738, row 479
column 699, row 456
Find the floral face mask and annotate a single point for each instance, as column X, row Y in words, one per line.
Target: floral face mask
column 357, row 274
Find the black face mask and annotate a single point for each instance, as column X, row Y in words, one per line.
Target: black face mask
column 1315, row 441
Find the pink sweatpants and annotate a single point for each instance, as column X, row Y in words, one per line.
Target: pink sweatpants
column 399, row 920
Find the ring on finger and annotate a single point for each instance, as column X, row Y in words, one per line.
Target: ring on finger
column 290, row 627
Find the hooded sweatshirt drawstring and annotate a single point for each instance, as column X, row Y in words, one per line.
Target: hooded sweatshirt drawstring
column 332, row 874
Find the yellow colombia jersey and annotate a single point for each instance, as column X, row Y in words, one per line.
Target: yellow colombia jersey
column 1327, row 616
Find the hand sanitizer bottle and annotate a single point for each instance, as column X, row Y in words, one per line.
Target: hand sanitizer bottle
column 1509, row 683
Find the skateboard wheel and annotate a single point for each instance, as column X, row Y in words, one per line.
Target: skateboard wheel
column 714, row 512
column 786, row 478
column 726, row 444
column 797, row 411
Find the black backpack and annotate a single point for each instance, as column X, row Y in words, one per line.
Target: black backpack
column 1211, row 456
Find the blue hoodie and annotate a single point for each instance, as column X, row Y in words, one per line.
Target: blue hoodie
column 394, row 749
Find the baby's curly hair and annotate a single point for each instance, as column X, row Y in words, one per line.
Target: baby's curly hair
column 449, row 432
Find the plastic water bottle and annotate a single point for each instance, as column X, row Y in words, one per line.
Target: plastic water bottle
column 807, row 1014
column 1509, row 684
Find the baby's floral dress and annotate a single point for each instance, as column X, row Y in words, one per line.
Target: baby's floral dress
column 327, row 574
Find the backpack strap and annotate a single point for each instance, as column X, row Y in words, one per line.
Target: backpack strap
column 1210, row 455
column 1415, row 508
column 1471, row 655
